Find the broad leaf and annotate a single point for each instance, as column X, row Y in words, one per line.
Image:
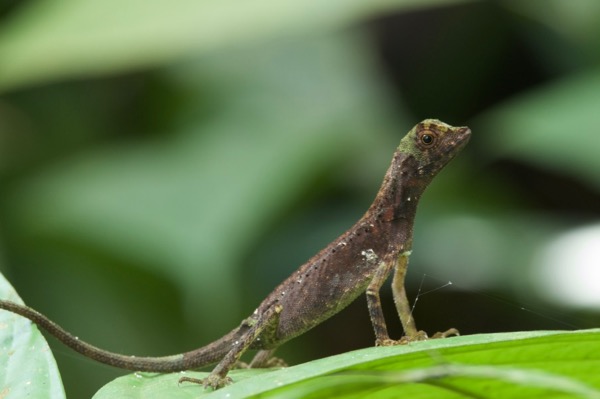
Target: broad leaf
column 539, row 364
column 27, row 367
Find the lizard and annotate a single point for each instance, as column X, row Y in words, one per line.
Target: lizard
column 359, row 261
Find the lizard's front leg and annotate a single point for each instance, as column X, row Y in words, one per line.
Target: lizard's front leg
column 401, row 300
column 218, row 377
column 403, row 306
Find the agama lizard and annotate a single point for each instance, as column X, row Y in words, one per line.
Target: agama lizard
column 358, row 261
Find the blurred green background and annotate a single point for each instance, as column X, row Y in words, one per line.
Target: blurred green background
column 164, row 165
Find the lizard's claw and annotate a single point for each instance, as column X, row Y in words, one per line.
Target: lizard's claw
column 386, row 342
column 448, row 333
column 212, row 381
column 215, row 381
column 241, row 365
column 269, row 363
column 419, row 336
column 422, row 336
column 274, row 362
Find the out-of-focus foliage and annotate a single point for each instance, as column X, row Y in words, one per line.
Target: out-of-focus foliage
column 163, row 166
column 565, row 141
column 71, row 38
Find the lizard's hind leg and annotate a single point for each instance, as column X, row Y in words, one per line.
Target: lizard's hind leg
column 265, row 359
column 218, row 377
column 382, row 337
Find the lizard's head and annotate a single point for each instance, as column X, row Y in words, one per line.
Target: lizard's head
column 433, row 144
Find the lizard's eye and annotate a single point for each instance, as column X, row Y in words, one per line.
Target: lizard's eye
column 427, row 139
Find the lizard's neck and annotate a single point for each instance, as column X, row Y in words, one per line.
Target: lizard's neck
column 400, row 192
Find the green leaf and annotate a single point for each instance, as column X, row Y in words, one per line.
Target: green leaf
column 27, row 367
column 72, row 38
column 540, row 364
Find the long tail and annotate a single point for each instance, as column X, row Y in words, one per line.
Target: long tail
column 204, row 356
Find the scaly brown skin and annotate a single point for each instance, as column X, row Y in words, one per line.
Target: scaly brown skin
column 358, row 261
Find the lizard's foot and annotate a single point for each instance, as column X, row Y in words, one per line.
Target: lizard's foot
column 386, row 342
column 212, row 381
column 270, row 363
column 422, row 336
column 407, row 339
column 264, row 360
column 448, row 333
column 241, row 365
column 419, row 336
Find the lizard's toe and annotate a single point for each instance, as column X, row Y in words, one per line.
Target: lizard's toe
column 419, row 336
column 448, row 333
column 386, row 342
column 215, row 381
column 212, row 381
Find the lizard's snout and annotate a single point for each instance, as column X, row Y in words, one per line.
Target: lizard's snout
column 463, row 133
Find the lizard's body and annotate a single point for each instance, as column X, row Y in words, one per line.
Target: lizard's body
column 358, row 261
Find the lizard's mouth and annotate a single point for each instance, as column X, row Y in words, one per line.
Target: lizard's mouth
column 460, row 138
column 464, row 133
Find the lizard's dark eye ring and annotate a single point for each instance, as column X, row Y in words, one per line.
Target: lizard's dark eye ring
column 427, row 139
